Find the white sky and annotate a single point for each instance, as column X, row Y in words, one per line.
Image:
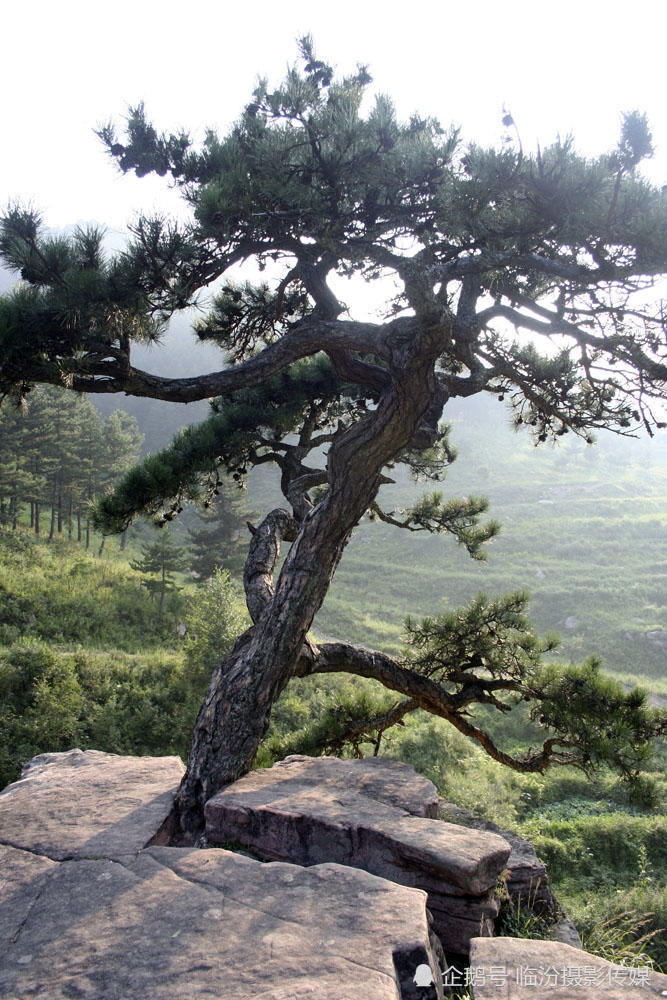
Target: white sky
column 68, row 66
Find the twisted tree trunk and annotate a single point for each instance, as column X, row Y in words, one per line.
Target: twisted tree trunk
column 235, row 715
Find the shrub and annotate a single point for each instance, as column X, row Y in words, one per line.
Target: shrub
column 215, row 617
column 42, row 704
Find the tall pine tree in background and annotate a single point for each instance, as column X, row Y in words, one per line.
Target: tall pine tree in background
column 158, row 562
column 483, row 246
column 121, row 440
column 219, row 539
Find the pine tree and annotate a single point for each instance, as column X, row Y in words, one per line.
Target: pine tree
column 120, row 444
column 88, row 447
column 57, row 450
column 159, row 561
column 218, row 542
column 484, row 246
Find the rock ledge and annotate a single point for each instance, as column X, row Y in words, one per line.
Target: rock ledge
column 86, row 911
column 374, row 814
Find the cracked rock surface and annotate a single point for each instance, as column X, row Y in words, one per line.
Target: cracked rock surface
column 88, row 912
column 374, row 814
column 95, row 915
column 87, row 804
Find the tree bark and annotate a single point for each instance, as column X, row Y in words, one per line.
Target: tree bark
column 52, row 530
column 235, row 714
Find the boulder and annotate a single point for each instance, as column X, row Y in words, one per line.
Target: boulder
column 374, row 814
column 180, row 923
column 105, row 918
column 504, row 968
column 526, row 880
column 87, row 804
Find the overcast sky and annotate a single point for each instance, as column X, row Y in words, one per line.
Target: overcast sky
column 69, row 66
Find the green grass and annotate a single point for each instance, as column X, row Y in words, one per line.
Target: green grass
column 85, row 662
column 57, row 591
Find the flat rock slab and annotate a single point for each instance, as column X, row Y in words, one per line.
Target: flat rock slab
column 175, row 923
column 371, row 814
column 84, row 804
column 518, row 969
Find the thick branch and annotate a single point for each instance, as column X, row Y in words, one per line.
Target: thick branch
column 333, row 657
column 363, row 373
column 309, row 338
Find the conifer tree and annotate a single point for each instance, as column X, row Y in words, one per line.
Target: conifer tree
column 57, row 450
column 218, row 541
column 159, row 561
column 484, row 247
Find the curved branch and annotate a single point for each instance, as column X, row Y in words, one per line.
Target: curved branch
column 310, row 337
column 338, row 656
column 315, row 279
column 263, row 554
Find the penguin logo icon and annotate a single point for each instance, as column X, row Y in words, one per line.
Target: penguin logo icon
column 423, row 976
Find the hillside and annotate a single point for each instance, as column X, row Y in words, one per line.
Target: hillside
column 582, row 529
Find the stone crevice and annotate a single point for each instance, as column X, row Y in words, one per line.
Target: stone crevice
column 374, row 814
column 17, row 933
column 115, row 918
column 30, row 850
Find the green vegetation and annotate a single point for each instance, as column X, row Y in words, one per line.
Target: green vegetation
column 485, row 245
column 56, row 454
column 84, row 662
column 60, row 593
column 581, row 527
column 77, row 669
column 107, row 676
column 159, row 561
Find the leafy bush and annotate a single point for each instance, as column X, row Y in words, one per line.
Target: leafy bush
column 42, row 703
column 112, row 701
column 216, row 616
